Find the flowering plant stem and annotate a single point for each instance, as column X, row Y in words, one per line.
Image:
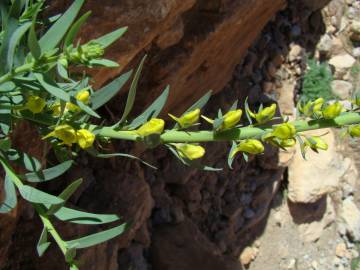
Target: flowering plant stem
column 235, row 134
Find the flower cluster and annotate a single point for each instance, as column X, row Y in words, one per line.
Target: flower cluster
column 68, row 136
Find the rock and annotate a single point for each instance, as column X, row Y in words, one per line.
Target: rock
column 337, row 46
column 313, row 219
column 295, row 52
column 171, row 36
column 341, row 89
column 315, row 5
column 248, row 255
column 342, row 63
column 356, row 52
column 355, row 30
column 304, row 175
column 341, row 250
column 286, row 98
column 350, row 216
column 183, row 246
column 325, row 44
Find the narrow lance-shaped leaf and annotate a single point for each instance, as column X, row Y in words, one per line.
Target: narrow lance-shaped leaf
column 43, row 243
column 33, row 42
column 65, row 195
column 37, row 196
column 230, row 158
column 49, row 174
column 132, row 92
column 10, row 196
column 11, row 39
column 110, row 38
column 70, row 36
column 103, row 95
column 57, row 31
column 152, row 111
column 80, row 217
column 97, row 238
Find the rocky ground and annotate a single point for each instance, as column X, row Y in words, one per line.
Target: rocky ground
column 314, row 222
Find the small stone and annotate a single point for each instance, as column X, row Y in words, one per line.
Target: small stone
column 291, row 265
column 341, row 89
column 356, row 52
column 341, row 250
column 248, row 255
column 295, row 52
column 355, row 31
column 249, row 213
column 314, row 265
column 325, row 44
column 343, row 61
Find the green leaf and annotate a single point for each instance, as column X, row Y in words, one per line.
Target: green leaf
column 69, row 39
column 31, row 163
column 33, row 42
column 16, row 8
column 80, row 217
column 231, row 159
column 104, row 63
column 43, row 243
column 10, row 196
column 56, row 91
column 48, row 174
column 37, row 196
column 94, row 153
column 110, row 38
column 200, row 103
column 57, row 31
column 103, row 95
column 70, row 255
column 97, row 238
column 5, row 144
column 152, row 111
column 12, row 37
column 132, row 92
column 65, row 195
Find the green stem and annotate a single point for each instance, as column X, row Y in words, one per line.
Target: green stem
column 173, row 136
column 22, row 69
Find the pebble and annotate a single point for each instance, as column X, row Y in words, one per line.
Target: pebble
column 341, row 250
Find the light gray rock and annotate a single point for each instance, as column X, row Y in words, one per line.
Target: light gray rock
column 325, row 44
column 350, row 216
column 355, row 31
column 341, row 89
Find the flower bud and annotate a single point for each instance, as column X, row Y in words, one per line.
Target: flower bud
column 190, row 151
column 231, row 118
column 35, row 104
column 250, row 146
column 188, row 119
column 316, row 143
column 284, row 131
column 287, row 143
column 85, row 138
column 312, row 107
column 333, row 110
column 92, row 50
column 83, row 96
column 354, row 131
column 154, row 126
column 65, row 133
column 264, row 115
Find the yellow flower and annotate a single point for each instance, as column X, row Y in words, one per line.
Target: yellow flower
column 316, row 143
column 188, row 119
column 332, row 111
column 287, row 142
column 284, row 131
column 354, row 131
column 85, row 138
column 265, row 115
column 154, row 126
column 312, row 107
column 190, row 151
column 35, row 104
column 65, row 133
column 83, row 96
column 231, row 118
column 250, row 146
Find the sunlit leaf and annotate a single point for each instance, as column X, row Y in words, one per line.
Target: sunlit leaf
column 10, row 196
column 34, row 195
column 70, row 36
column 50, row 173
column 110, row 38
column 97, row 238
column 103, row 95
column 43, row 243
